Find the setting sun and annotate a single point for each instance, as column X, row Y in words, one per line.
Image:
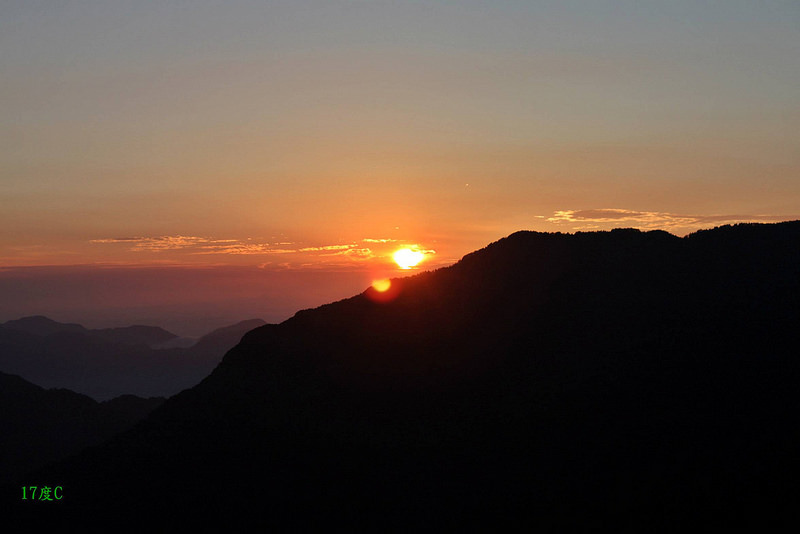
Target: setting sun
column 407, row 258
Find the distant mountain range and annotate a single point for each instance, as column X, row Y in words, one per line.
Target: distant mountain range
column 130, row 335
column 105, row 363
column 607, row 380
column 40, row 425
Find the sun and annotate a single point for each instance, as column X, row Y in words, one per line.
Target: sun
column 407, row 258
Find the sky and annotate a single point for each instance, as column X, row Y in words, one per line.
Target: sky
column 233, row 159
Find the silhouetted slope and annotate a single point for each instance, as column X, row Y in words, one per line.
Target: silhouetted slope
column 218, row 342
column 598, row 379
column 39, row 426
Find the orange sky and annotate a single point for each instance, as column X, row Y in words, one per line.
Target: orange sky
column 322, row 135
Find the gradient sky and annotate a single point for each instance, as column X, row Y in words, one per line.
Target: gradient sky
column 322, row 135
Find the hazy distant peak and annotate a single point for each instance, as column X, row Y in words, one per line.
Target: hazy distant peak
column 136, row 335
column 226, row 337
column 237, row 327
column 41, row 326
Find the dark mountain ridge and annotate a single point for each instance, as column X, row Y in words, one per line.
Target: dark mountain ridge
column 595, row 379
column 40, row 325
column 39, row 426
column 108, row 362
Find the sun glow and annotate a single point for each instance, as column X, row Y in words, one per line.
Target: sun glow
column 381, row 285
column 407, row 258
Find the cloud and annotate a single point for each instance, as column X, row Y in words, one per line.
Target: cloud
column 384, row 240
column 195, row 245
column 204, row 245
column 652, row 219
column 117, row 240
column 239, row 248
column 326, row 247
column 176, row 242
column 358, row 253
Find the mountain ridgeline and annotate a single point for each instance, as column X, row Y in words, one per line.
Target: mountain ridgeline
column 107, row 362
column 607, row 378
column 39, row 426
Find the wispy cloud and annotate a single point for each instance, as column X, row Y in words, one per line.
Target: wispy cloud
column 326, row 247
column 181, row 242
column 361, row 253
column 205, row 245
column 651, row 219
column 240, row 248
column 118, row 240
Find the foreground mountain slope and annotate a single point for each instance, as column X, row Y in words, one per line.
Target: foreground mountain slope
column 592, row 379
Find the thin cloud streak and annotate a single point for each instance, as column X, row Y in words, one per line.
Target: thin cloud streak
column 177, row 242
column 195, row 245
column 205, row 245
column 652, row 219
column 326, row 247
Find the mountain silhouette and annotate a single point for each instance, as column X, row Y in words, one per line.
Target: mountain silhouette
column 109, row 362
column 129, row 335
column 219, row 341
column 39, row 325
column 136, row 335
column 40, row 426
column 618, row 379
